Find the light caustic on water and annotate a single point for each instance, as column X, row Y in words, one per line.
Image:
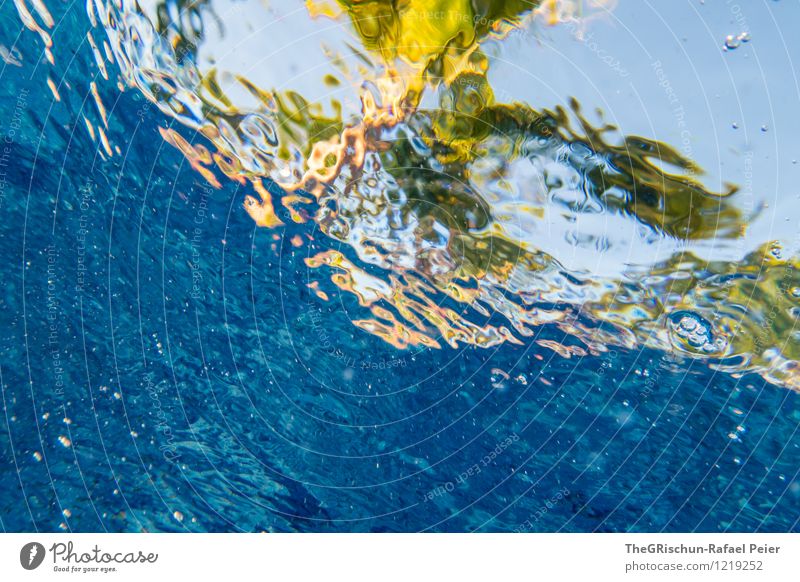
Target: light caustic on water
column 376, row 122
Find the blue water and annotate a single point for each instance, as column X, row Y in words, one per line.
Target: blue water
column 166, row 368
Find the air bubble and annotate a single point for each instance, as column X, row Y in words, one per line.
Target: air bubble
column 732, row 42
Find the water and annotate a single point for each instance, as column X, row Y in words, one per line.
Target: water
column 483, row 312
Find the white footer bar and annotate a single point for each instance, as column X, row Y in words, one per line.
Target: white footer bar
column 400, row 557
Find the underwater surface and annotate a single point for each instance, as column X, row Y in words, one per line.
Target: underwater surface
column 394, row 265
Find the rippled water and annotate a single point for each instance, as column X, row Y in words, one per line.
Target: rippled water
column 366, row 266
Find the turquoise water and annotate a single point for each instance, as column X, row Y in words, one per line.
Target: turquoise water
column 165, row 365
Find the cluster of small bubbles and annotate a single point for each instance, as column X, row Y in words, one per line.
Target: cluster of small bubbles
column 692, row 332
column 734, row 41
